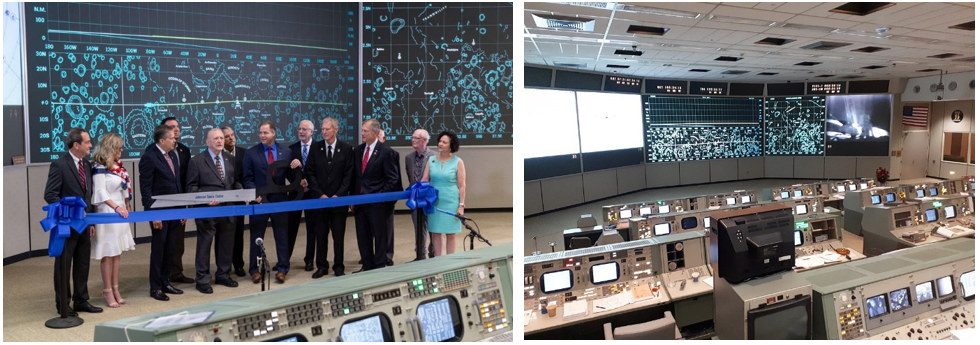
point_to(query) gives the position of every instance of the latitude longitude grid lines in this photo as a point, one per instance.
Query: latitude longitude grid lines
(693, 110)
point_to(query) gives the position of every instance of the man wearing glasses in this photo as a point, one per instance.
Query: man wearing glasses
(300, 155)
(414, 166)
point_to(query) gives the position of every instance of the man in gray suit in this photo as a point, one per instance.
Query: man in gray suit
(210, 171)
(414, 166)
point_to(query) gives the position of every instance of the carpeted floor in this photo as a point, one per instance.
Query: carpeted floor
(28, 292)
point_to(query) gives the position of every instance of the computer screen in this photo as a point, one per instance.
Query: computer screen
(688, 223)
(646, 211)
(661, 229)
(924, 292)
(933, 191)
(840, 189)
(875, 199)
(784, 195)
(604, 273)
(730, 201)
(625, 214)
(441, 319)
(899, 299)
(920, 193)
(852, 187)
(707, 222)
(797, 193)
(556, 281)
(797, 238)
(663, 209)
(945, 285)
(864, 186)
(746, 199)
(931, 215)
(371, 329)
(890, 197)
(876, 306)
(967, 282)
(781, 323)
(801, 209)
(950, 211)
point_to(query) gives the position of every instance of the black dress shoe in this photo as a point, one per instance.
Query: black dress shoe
(70, 312)
(229, 283)
(338, 273)
(206, 288)
(240, 272)
(87, 307)
(418, 259)
(159, 295)
(309, 267)
(172, 290)
(181, 279)
(320, 273)
(390, 263)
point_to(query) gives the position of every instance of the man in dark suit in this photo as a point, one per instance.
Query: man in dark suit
(257, 160)
(415, 163)
(238, 152)
(71, 175)
(377, 173)
(300, 158)
(183, 157)
(211, 171)
(159, 176)
(329, 169)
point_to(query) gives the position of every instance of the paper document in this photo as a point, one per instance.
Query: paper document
(575, 309)
(527, 316)
(611, 302)
(180, 319)
(709, 280)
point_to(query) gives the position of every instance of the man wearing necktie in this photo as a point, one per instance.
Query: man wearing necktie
(257, 161)
(160, 176)
(377, 172)
(183, 157)
(301, 152)
(330, 167)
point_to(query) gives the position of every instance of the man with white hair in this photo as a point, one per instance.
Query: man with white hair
(301, 152)
(414, 166)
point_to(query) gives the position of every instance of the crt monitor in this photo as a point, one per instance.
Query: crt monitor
(920, 193)
(840, 189)
(924, 292)
(950, 211)
(890, 197)
(707, 222)
(945, 286)
(931, 215)
(875, 199)
(933, 191)
(801, 209)
(441, 319)
(797, 238)
(876, 306)
(746, 199)
(730, 201)
(797, 193)
(864, 185)
(663, 209)
(967, 284)
(604, 273)
(787, 320)
(852, 187)
(784, 195)
(644, 211)
(899, 299)
(661, 229)
(755, 244)
(626, 214)
(556, 281)
(368, 329)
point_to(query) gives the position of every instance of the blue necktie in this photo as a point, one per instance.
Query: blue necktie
(304, 154)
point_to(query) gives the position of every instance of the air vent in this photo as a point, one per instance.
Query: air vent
(647, 30)
(570, 64)
(825, 45)
(824, 76)
(862, 8)
(808, 63)
(618, 66)
(966, 59)
(734, 72)
(602, 5)
(773, 41)
(728, 58)
(965, 26)
(852, 76)
(816, 28)
(735, 20)
(700, 70)
(660, 11)
(768, 73)
(943, 56)
(563, 22)
(929, 70)
(873, 67)
(629, 52)
(869, 49)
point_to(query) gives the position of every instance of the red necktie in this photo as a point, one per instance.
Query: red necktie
(170, 163)
(81, 174)
(367, 153)
(269, 156)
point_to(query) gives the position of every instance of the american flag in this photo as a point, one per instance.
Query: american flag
(915, 116)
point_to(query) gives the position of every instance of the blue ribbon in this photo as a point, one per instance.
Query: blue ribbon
(67, 214)
(70, 211)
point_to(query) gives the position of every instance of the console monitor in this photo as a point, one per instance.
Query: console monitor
(797, 193)
(663, 209)
(875, 199)
(784, 195)
(746, 199)
(556, 281)
(852, 187)
(801, 209)
(864, 186)
(707, 222)
(840, 189)
(625, 214)
(797, 238)
(644, 211)
(924, 292)
(931, 215)
(289, 338)
(604, 273)
(373, 328)
(890, 197)
(789, 320)
(933, 191)
(945, 286)
(754, 244)
(441, 319)
(899, 299)
(967, 284)
(920, 193)
(950, 211)
(689, 223)
(730, 201)
(661, 229)
(876, 306)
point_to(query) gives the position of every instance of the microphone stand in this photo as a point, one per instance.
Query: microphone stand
(264, 269)
(473, 235)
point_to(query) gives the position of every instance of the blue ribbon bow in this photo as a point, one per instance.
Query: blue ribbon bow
(67, 214)
(422, 195)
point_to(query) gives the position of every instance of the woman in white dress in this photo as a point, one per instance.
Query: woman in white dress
(111, 192)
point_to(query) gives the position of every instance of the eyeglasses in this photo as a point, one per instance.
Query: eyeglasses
(419, 138)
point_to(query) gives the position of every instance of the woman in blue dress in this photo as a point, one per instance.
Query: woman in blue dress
(445, 172)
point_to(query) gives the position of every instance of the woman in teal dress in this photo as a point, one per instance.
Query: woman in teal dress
(445, 172)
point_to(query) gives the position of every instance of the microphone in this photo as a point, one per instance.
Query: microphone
(259, 242)
(457, 215)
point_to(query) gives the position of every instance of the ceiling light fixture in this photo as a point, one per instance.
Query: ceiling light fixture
(658, 11)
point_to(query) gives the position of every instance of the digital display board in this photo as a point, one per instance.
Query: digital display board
(623, 84)
(795, 126)
(665, 87)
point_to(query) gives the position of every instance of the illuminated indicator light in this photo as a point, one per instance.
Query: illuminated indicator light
(346, 311)
(937, 204)
(435, 290)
